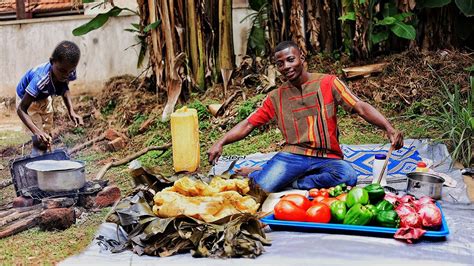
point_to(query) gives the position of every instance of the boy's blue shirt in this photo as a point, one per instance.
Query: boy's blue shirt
(38, 83)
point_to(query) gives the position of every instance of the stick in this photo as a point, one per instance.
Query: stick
(385, 164)
(129, 158)
(6, 213)
(19, 227)
(16, 216)
(5, 183)
(87, 143)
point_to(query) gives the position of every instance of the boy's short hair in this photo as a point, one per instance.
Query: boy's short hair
(66, 51)
(285, 44)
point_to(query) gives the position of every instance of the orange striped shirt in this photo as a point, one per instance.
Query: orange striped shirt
(307, 118)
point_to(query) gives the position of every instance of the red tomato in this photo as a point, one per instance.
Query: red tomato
(287, 210)
(324, 193)
(299, 200)
(318, 213)
(318, 199)
(313, 193)
(342, 197)
(329, 201)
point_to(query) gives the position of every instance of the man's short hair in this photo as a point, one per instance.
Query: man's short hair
(66, 51)
(285, 44)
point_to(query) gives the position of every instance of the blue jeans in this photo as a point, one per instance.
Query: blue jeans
(303, 172)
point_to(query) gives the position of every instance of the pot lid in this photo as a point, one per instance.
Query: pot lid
(54, 165)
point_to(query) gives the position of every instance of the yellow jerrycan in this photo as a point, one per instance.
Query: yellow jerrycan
(185, 139)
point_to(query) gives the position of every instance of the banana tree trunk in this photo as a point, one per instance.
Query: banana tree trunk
(196, 45)
(173, 82)
(297, 27)
(225, 42)
(155, 56)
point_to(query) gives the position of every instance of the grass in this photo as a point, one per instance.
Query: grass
(34, 247)
(10, 138)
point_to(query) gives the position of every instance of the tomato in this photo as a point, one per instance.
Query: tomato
(318, 199)
(342, 197)
(328, 201)
(324, 193)
(287, 210)
(313, 193)
(299, 200)
(318, 213)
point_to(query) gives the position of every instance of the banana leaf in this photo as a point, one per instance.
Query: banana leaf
(238, 235)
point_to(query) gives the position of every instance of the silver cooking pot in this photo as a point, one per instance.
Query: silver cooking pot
(59, 175)
(424, 184)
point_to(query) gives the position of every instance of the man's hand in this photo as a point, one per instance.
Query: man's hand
(214, 153)
(77, 119)
(396, 138)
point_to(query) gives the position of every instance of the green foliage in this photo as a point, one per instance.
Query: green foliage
(98, 21)
(466, 7)
(455, 119)
(247, 107)
(135, 126)
(109, 107)
(202, 111)
(259, 19)
(78, 130)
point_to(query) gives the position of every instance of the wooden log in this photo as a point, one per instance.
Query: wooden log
(5, 183)
(6, 213)
(19, 226)
(129, 158)
(85, 144)
(17, 216)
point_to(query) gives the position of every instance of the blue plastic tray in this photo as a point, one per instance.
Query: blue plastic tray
(347, 229)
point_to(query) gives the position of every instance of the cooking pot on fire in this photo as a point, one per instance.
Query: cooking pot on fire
(424, 184)
(59, 175)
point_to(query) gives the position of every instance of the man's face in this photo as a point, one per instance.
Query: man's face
(289, 63)
(62, 70)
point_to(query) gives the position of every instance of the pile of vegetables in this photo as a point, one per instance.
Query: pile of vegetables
(362, 206)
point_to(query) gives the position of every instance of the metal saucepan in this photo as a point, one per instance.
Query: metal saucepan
(59, 175)
(424, 184)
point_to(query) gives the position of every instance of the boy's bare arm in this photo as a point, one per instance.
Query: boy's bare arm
(22, 112)
(68, 102)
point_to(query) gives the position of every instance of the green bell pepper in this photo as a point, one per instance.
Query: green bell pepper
(358, 215)
(384, 205)
(338, 211)
(357, 195)
(387, 219)
(372, 209)
(376, 193)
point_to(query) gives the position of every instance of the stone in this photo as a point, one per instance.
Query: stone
(20, 202)
(57, 219)
(116, 144)
(107, 197)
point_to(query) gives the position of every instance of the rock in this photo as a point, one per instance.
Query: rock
(53, 203)
(21, 201)
(107, 197)
(111, 134)
(145, 125)
(116, 144)
(57, 219)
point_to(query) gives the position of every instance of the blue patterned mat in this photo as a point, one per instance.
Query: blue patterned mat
(361, 157)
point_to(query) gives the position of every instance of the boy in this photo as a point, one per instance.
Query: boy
(38, 85)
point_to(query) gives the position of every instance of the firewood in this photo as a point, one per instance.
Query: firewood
(6, 213)
(16, 216)
(87, 143)
(5, 183)
(19, 226)
(130, 158)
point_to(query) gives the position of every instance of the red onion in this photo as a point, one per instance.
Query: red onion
(407, 199)
(412, 220)
(409, 234)
(392, 198)
(430, 215)
(425, 199)
(404, 209)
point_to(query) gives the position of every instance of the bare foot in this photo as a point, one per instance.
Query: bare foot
(245, 171)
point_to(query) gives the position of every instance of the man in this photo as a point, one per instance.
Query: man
(39, 84)
(305, 108)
